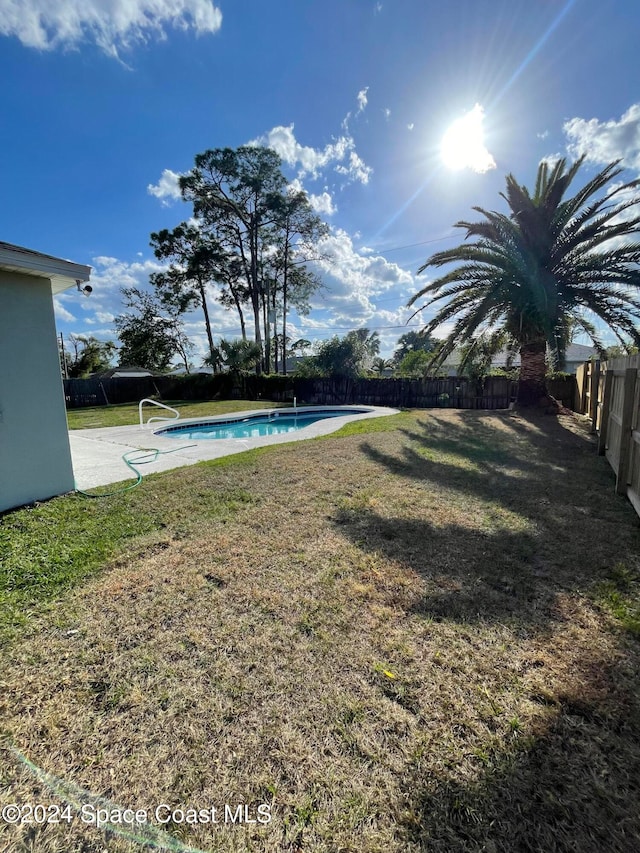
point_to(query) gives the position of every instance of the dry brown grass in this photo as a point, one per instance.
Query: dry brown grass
(397, 643)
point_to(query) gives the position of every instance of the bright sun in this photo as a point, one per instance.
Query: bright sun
(463, 145)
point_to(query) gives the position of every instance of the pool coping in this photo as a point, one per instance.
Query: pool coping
(97, 453)
(176, 424)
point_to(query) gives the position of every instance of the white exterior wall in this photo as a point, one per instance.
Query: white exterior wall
(35, 459)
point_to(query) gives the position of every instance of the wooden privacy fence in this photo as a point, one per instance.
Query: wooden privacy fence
(609, 393)
(496, 392)
(619, 438)
(126, 389)
(589, 391)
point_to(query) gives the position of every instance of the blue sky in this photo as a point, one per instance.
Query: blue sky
(106, 102)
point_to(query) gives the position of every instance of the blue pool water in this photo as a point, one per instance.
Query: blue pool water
(254, 426)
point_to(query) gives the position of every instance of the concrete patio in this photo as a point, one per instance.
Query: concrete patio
(97, 453)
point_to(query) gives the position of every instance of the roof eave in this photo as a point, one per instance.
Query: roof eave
(61, 273)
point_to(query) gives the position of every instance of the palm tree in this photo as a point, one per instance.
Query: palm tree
(237, 357)
(548, 264)
(366, 346)
(380, 365)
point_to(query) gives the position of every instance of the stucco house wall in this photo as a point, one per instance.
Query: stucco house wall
(35, 458)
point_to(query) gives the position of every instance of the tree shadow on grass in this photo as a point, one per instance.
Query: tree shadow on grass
(541, 507)
(572, 781)
(467, 576)
(536, 456)
(573, 786)
(471, 574)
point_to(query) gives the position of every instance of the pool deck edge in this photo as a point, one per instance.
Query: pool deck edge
(97, 453)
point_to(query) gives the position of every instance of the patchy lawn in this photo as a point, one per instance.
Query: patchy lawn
(416, 635)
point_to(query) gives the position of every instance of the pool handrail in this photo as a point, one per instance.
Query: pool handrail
(176, 414)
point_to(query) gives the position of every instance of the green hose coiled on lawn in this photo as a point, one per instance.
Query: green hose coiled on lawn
(131, 463)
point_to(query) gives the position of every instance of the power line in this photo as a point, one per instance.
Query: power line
(412, 245)
(333, 328)
(366, 326)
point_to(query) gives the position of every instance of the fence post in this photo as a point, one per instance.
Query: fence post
(583, 390)
(625, 430)
(604, 416)
(594, 393)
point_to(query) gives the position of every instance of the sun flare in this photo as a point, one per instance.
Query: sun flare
(463, 145)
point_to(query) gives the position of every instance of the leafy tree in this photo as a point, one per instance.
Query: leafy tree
(477, 355)
(308, 368)
(89, 355)
(618, 351)
(233, 289)
(153, 334)
(414, 364)
(550, 260)
(295, 237)
(253, 238)
(300, 345)
(413, 342)
(237, 195)
(339, 357)
(286, 288)
(196, 260)
(348, 357)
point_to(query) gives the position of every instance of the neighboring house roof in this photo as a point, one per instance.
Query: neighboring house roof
(122, 372)
(580, 352)
(62, 273)
(575, 353)
(293, 361)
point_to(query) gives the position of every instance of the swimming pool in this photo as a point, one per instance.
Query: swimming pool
(273, 422)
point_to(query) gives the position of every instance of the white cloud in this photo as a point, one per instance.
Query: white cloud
(323, 203)
(387, 113)
(356, 169)
(312, 160)
(543, 135)
(551, 159)
(607, 140)
(61, 312)
(110, 274)
(167, 189)
(355, 278)
(295, 186)
(362, 99)
(113, 25)
(362, 103)
(410, 126)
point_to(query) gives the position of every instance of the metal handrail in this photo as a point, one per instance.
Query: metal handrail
(157, 418)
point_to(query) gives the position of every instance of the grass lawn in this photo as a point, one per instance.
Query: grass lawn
(418, 634)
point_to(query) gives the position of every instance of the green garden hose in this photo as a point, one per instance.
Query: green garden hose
(131, 463)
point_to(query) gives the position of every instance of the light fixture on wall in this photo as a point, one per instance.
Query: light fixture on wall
(87, 289)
